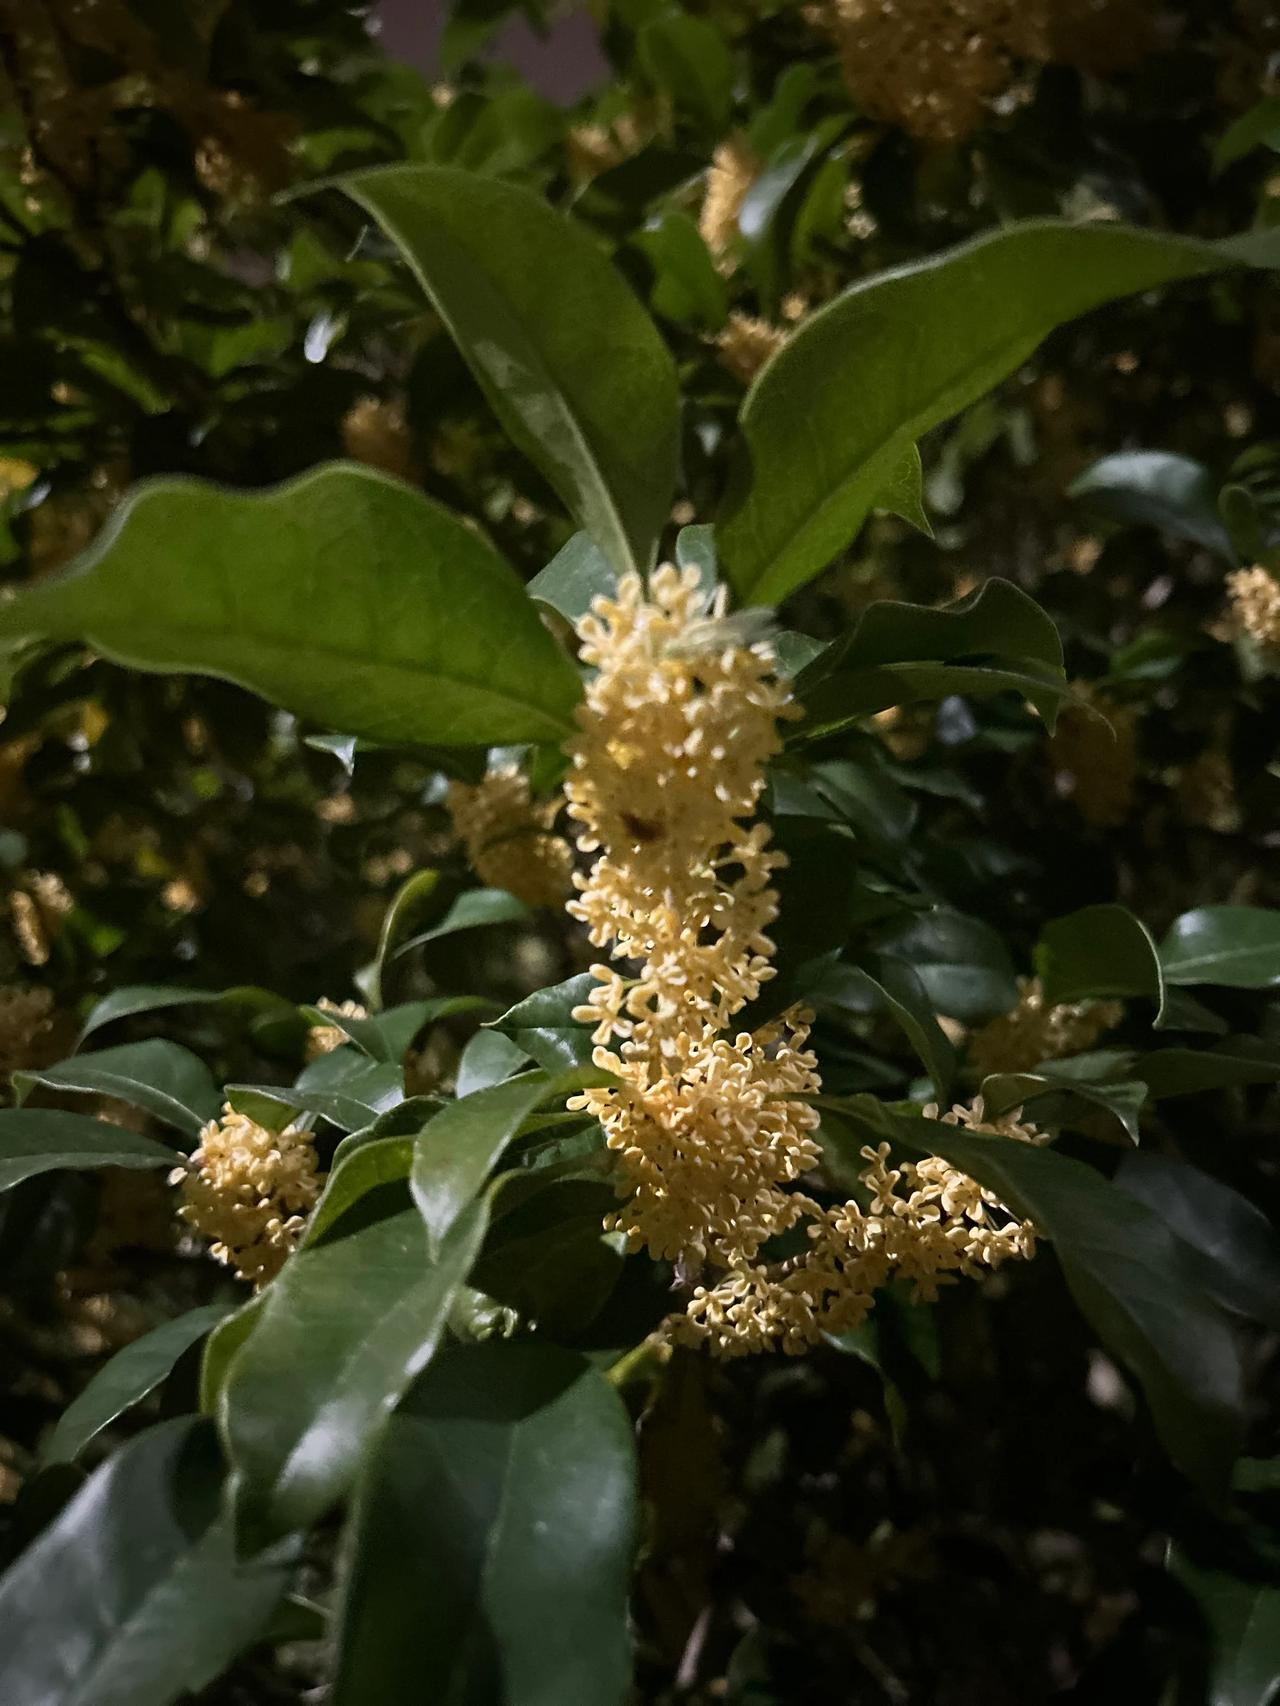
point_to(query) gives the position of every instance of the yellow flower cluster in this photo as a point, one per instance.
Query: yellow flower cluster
(249, 1190)
(712, 1126)
(1255, 606)
(37, 910)
(747, 342)
(1035, 1031)
(508, 836)
(323, 1039)
(25, 1019)
(931, 66)
(730, 176)
(376, 432)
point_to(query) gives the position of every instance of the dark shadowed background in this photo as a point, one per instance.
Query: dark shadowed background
(563, 64)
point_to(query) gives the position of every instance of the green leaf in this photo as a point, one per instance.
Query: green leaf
(1137, 1283)
(163, 1078)
(1173, 493)
(578, 573)
(127, 1379)
(411, 901)
(382, 614)
(543, 1026)
(342, 1332)
(493, 1538)
(134, 1595)
(487, 1059)
(686, 286)
(569, 360)
(842, 700)
(470, 911)
(1099, 952)
(143, 998)
(827, 422)
(459, 1147)
(1237, 947)
(377, 1161)
(901, 992)
(1244, 1623)
(42, 1140)
(1091, 1079)
(1188, 1071)
(1257, 128)
(688, 60)
(1238, 1243)
(963, 964)
(696, 548)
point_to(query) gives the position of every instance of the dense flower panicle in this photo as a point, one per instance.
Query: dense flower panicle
(730, 176)
(249, 1191)
(713, 1126)
(1095, 758)
(1036, 1030)
(323, 1039)
(509, 836)
(1255, 606)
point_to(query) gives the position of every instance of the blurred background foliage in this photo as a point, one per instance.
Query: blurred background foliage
(940, 1513)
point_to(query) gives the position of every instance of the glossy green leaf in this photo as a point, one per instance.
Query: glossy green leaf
(144, 998)
(411, 901)
(43, 1140)
(578, 573)
(493, 1538)
(829, 418)
(471, 911)
(569, 360)
(134, 1596)
(488, 1058)
(382, 614)
(898, 990)
(963, 964)
(1235, 946)
(341, 1334)
(1188, 1071)
(126, 1379)
(1135, 1280)
(1160, 489)
(162, 1078)
(543, 1026)
(1244, 1625)
(1106, 1080)
(1099, 952)
(459, 1148)
(378, 1161)
(1238, 1243)
(386, 1036)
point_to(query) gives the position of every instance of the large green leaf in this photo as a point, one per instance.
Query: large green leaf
(1098, 953)
(1236, 946)
(456, 1151)
(126, 1379)
(341, 1334)
(543, 1025)
(829, 418)
(571, 363)
(43, 1140)
(1139, 1284)
(893, 985)
(343, 596)
(134, 1596)
(162, 1078)
(493, 1538)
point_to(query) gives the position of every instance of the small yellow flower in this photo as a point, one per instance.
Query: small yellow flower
(323, 1039)
(1035, 1031)
(508, 836)
(1255, 607)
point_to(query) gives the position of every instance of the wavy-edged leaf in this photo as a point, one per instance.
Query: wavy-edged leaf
(829, 418)
(570, 362)
(381, 614)
(493, 1538)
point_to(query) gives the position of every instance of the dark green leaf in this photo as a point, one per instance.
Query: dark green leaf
(897, 989)
(341, 1333)
(1099, 952)
(42, 1140)
(1105, 1080)
(469, 912)
(493, 1538)
(458, 1149)
(570, 362)
(411, 901)
(386, 1036)
(688, 59)
(134, 1596)
(1235, 946)
(488, 1058)
(963, 964)
(163, 1078)
(543, 1027)
(827, 422)
(382, 613)
(686, 286)
(1187, 1071)
(126, 1379)
(143, 998)
(1257, 128)
(578, 573)
(1159, 488)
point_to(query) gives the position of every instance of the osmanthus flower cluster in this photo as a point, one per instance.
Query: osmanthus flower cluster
(712, 1124)
(249, 1190)
(509, 837)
